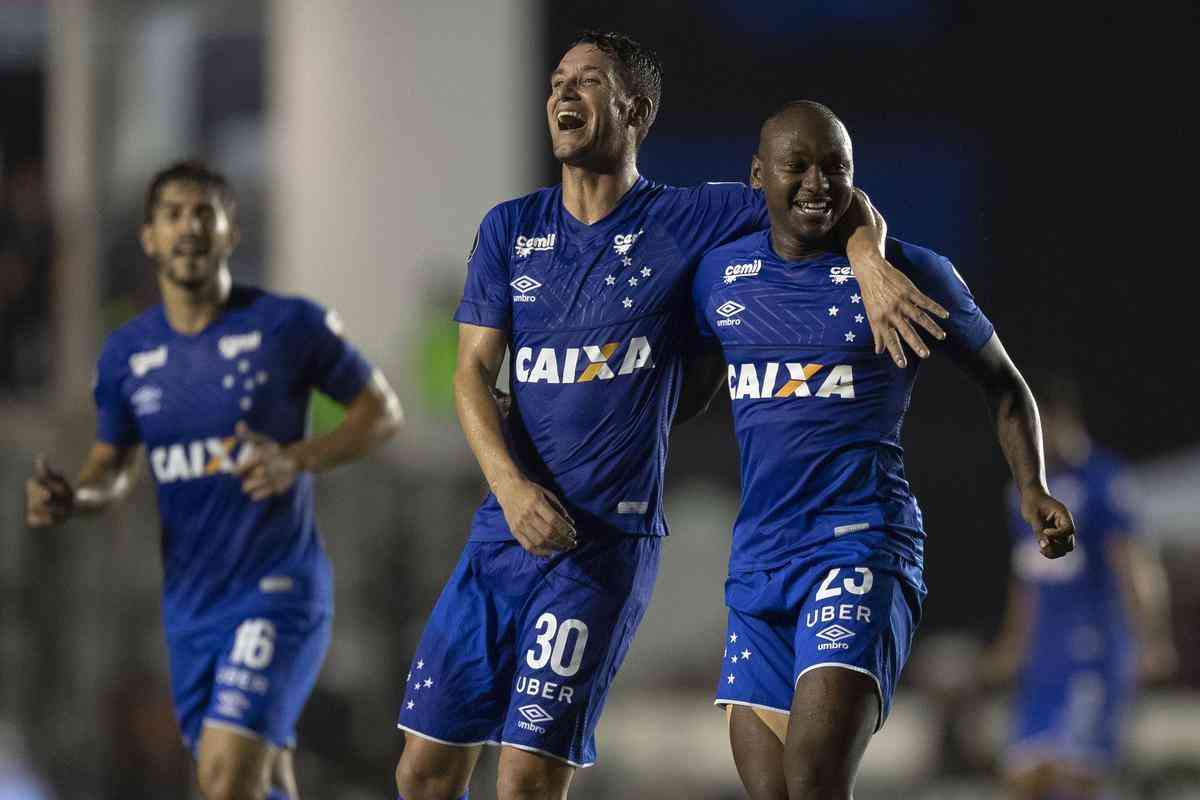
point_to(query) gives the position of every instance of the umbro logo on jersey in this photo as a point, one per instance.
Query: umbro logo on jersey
(581, 364)
(529, 244)
(727, 310)
(622, 242)
(141, 363)
(840, 275)
(735, 271)
(146, 400)
(524, 285)
(788, 380)
(235, 344)
(833, 636)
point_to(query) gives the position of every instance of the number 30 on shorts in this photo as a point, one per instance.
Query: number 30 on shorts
(552, 644)
(860, 584)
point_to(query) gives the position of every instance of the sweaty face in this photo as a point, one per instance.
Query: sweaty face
(805, 168)
(586, 107)
(190, 234)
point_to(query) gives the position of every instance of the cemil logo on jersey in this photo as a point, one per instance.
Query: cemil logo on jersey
(735, 271)
(727, 310)
(840, 275)
(524, 285)
(529, 244)
(622, 242)
(581, 364)
(747, 383)
(201, 458)
(235, 344)
(141, 363)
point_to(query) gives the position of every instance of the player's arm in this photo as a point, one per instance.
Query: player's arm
(535, 516)
(372, 417)
(106, 478)
(1143, 585)
(893, 303)
(703, 376)
(1003, 658)
(1015, 417)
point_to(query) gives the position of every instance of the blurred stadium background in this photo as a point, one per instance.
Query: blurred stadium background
(1036, 147)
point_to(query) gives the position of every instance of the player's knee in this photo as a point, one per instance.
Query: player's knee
(417, 781)
(813, 777)
(529, 781)
(228, 779)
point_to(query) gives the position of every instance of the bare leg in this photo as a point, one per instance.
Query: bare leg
(431, 770)
(532, 776)
(233, 765)
(834, 714)
(756, 738)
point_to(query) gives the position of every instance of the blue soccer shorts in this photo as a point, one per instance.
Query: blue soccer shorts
(1072, 713)
(252, 674)
(521, 650)
(843, 604)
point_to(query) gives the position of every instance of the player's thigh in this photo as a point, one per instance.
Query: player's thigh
(835, 711)
(433, 769)
(756, 737)
(523, 775)
(233, 764)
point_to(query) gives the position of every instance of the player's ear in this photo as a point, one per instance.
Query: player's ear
(756, 169)
(640, 108)
(146, 236)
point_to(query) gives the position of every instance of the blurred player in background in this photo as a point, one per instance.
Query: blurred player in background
(825, 575)
(585, 284)
(1079, 632)
(215, 382)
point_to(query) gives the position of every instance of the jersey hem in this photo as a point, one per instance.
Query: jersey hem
(415, 732)
(556, 756)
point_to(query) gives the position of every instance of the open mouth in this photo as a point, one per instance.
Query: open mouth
(820, 208)
(569, 121)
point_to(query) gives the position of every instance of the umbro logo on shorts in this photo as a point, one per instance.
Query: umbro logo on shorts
(535, 713)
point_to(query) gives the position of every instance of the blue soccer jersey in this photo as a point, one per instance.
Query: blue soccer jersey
(1077, 675)
(181, 396)
(597, 318)
(816, 412)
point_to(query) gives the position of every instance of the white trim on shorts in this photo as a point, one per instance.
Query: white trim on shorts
(220, 723)
(414, 732)
(722, 702)
(529, 749)
(863, 670)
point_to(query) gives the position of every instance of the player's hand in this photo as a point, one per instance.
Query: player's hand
(894, 305)
(267, 469)
(537, 518)
(1051, 522)
(49, 498)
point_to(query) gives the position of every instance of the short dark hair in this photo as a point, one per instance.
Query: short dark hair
(190, 171)
(640, 67)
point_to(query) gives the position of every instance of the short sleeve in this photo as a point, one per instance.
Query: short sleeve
(486, 297)
(967, 329)
(717, 213)
(332, 364)
(115, 424)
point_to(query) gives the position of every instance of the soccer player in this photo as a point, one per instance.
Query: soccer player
(1079, 632)
(586, 285)
(215, 383)
(825, 586)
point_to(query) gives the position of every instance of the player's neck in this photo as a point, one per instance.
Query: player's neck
(190, 311)
(590, 196)
(793, 248)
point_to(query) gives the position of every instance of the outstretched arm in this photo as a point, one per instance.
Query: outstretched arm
(892, 302)
(372, 416)
(107, 475)
(1018, 428)
(534, 514)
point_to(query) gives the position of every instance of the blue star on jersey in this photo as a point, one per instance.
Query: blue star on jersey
(816, 412)
(182, 395)
(598, 321)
